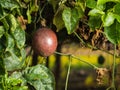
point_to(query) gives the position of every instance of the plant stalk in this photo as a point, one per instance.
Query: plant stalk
(112, 87)
(68, 73)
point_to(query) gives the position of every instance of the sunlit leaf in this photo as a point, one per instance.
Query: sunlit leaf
(16, 81)
(96, 12)
(105, 1)
(12, 22)
(113, 33)
(108, 19)
(40, 77)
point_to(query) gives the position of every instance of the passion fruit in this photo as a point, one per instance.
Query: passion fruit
(44, 42)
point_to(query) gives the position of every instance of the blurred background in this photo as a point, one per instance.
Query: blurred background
(82, 76)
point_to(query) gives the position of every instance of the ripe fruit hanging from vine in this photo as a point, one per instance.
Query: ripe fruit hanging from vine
(44, 42)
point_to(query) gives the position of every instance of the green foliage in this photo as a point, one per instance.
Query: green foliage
(108, 19)
(106, 16)
(12, 50)
(71, 18)
(100, 14)
(58, 20)
(32, 7)
(8, 4)
(94, 22)
(113, 32)
(105, 1)
(40, 77)
(91, 3)
(2, 31)
(68, 16)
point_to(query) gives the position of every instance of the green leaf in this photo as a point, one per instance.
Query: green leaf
(96, 12)
(71, 18)
(94, 22)
(20, 88)
(2, 82)
(117, 17)
(116, 9)
(105, 1)
(40, 77)
(57, 20)
(81, 4)
(16, 75)
(28, 16)
(2, 31)
(19, 36)
(91, 3)
(12, 22)
(1, 46)
(101, 7)
(5, 23)
(16, 31)
(12, 62)
(1, 12)
(2, 68)
(108, 19)
(9, 42)
(113, 33)
(9, 4)
(2, 73)
(16, 81)
(54, 3)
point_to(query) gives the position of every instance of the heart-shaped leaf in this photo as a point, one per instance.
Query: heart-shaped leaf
(108, 19)
(71, 18)
(113, 32)
(40, 77)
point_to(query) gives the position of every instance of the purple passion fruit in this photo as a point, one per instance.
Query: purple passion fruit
(44, 42)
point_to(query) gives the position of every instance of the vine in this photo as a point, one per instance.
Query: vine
(68, 73)
(19, 19)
